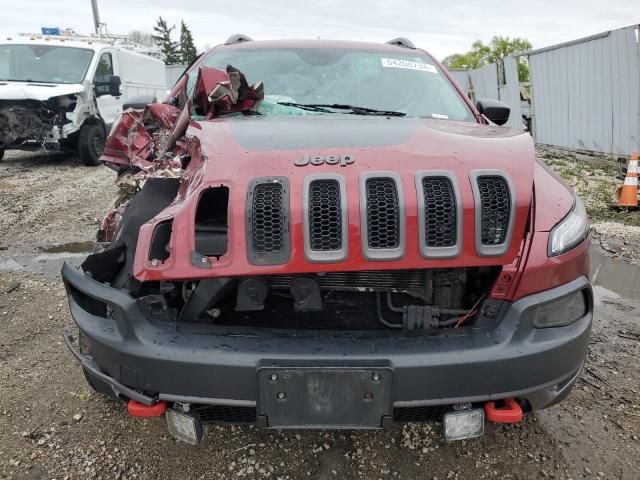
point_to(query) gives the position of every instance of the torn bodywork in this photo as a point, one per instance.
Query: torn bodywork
(152, 142)
(42, 122)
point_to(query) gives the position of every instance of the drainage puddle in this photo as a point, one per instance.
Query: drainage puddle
(51, 258)
(613, 277)
(73, 247)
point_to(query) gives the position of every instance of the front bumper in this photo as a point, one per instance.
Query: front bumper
(149, 360)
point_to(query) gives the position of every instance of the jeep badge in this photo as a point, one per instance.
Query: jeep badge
(343, 160)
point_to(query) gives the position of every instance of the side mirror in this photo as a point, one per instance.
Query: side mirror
(114, 85)
(496, 111)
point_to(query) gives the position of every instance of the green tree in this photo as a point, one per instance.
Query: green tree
(142, 38)
(501, 47)
(498, 48)
(188, 52)
(162, 38)
(463, 60)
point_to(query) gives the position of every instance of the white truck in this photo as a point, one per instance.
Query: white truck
(59, 93)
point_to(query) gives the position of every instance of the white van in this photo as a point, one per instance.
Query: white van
(58, 93)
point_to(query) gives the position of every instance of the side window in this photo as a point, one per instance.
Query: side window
(103, 73)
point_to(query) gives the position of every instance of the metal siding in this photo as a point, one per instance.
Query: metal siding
(626, 91)
(485, 81)
(461, 77)
(586, 95)
(510, 92)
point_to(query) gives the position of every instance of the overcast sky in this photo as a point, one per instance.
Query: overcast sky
(442, 27)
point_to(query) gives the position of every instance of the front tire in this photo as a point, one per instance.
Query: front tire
(91, 144)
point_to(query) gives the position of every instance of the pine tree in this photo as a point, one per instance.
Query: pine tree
(162, 38)
(188, 52)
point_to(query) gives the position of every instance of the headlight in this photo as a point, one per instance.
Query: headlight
(571, 230)
(562, 311)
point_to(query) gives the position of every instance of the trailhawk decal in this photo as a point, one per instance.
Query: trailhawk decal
(408, 64)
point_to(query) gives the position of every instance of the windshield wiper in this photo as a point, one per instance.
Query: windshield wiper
(305, 106)
(352, 109)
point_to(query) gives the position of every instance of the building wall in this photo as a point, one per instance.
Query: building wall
(586, 93)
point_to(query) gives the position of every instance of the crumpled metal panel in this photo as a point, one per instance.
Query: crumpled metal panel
(218, 92)
(154, 142)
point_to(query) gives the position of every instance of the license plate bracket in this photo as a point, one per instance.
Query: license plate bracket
(311, 397)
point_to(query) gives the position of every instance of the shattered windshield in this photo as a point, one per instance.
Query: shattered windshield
(382, 80)
(44, 63)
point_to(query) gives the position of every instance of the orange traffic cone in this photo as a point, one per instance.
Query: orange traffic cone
(627, 195)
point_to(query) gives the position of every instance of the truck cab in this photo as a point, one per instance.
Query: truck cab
(59, 92)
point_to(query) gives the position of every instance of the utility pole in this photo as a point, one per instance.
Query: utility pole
(96, 16)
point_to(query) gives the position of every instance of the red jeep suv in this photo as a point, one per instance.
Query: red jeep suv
(345, 243)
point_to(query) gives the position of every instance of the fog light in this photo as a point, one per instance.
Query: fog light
(463, 424)
(561, 312)
(185, 427)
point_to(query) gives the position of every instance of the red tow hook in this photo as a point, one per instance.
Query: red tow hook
(137, 409)
(509, 413)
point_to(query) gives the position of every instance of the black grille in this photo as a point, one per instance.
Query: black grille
(419, 414)
(380, 280)
(495, 209)
(267, 217)
(383, 213)
(232, 414)
(226, 414)
(351, 311)
(325, 215)
(439, 211)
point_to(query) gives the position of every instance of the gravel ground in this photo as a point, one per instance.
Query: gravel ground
(53, 427)
(595, 181)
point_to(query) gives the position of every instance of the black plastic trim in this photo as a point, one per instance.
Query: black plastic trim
(505, 359)
(501, 248)
(270, 258)
(388, 254)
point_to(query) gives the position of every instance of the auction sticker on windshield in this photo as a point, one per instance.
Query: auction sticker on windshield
(408, 64)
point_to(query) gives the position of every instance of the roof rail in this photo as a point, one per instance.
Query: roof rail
(401, 42)
(238, 38)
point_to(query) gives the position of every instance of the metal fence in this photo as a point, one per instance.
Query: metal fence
(497, 82)
(586, 93)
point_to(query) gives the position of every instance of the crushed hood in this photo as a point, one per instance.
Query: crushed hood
(36, 91)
